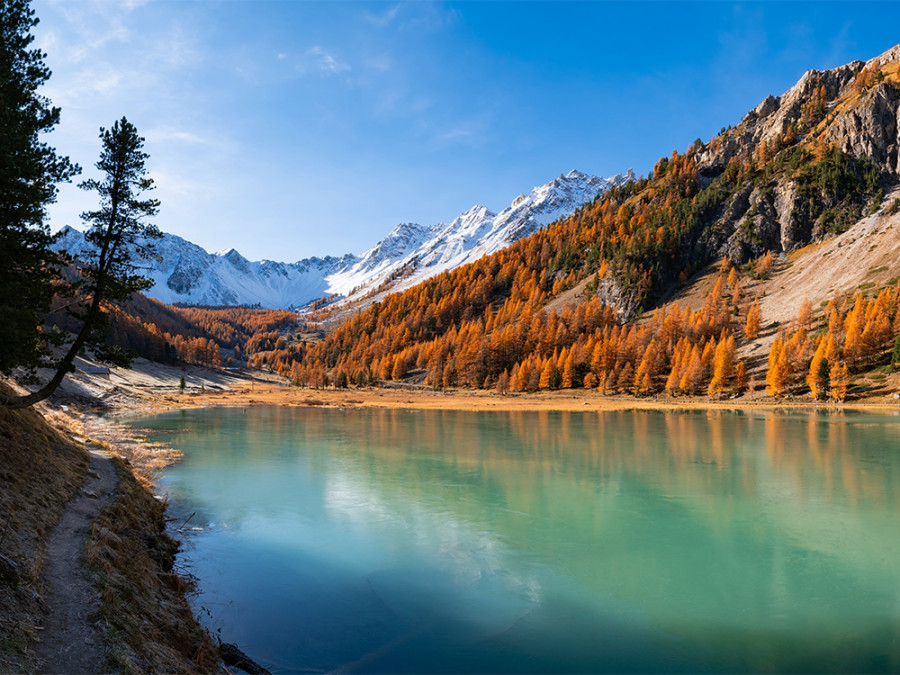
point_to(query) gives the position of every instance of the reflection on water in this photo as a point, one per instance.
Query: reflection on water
(623, 541)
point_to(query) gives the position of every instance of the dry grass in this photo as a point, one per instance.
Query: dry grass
(148, 623)
(145, 456)
(484, 400)
(41, 469)
(145, 616)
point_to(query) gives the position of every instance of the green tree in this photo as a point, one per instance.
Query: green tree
(119, 236)
(895, 353)
(29, 172)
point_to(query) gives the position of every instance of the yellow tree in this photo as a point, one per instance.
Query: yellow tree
(680, 357)
(741, 381)
(723, 366)
(503, 383)
(840, 381)
(764, 265)
(817, 378)
(775, 376)
(751, 326)
(733, 278)
(447, 377)
(567, 375)
(805, 315)
(398, 372)
(693, 372)
(547, 373)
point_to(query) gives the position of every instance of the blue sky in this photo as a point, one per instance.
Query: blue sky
(291, 129)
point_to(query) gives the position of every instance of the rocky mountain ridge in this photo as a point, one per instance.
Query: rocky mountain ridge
(186, 273)
(797, 169)
(854, 107)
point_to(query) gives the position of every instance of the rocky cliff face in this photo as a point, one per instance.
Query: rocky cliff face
(855, 108)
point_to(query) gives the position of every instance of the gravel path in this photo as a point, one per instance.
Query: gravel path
(70, 642)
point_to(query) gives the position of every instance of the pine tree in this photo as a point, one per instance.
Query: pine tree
(398, 371)
(679, 356)
(895, 352)
(817, 378)
(643, 384)
(547, 371)
(764, 265)
(693, 372)
(733, 279)
(118, 235)
(447, 377)
(30, 169)
(741, 381)
(775, 376)
(804, 316)
(568, 372)
(503, 383)
(625, 381)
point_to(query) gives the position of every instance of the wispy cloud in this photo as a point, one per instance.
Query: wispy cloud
(382, 19)
(416, 15)
(166, 134)
(381, 64)
(319, 61)
(472, 133)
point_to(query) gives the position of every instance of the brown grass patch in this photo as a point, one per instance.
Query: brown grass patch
(146, 619)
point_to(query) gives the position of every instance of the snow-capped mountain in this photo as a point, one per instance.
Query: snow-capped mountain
(186, 273)
(411, 253)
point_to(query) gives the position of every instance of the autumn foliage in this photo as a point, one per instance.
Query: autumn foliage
(855, 335)
(194, 335)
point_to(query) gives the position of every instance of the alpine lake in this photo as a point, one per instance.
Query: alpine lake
(396, 541)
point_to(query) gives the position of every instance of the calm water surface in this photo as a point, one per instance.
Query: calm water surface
(397, 541)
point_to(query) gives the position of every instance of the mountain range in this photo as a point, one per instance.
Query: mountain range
(186, 273)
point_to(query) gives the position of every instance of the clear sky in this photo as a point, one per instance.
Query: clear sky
(291, 129)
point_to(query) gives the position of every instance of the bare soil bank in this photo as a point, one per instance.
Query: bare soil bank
(269, 393)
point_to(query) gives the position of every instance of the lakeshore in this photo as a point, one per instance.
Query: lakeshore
(244, 393)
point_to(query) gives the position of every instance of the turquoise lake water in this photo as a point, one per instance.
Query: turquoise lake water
(382, 541)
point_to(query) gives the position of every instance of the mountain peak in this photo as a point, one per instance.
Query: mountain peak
(845, 106)
(891, 55)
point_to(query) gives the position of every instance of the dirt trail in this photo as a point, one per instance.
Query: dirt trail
(70, 642)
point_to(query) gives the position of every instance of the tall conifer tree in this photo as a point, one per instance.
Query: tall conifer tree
(29, 172)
